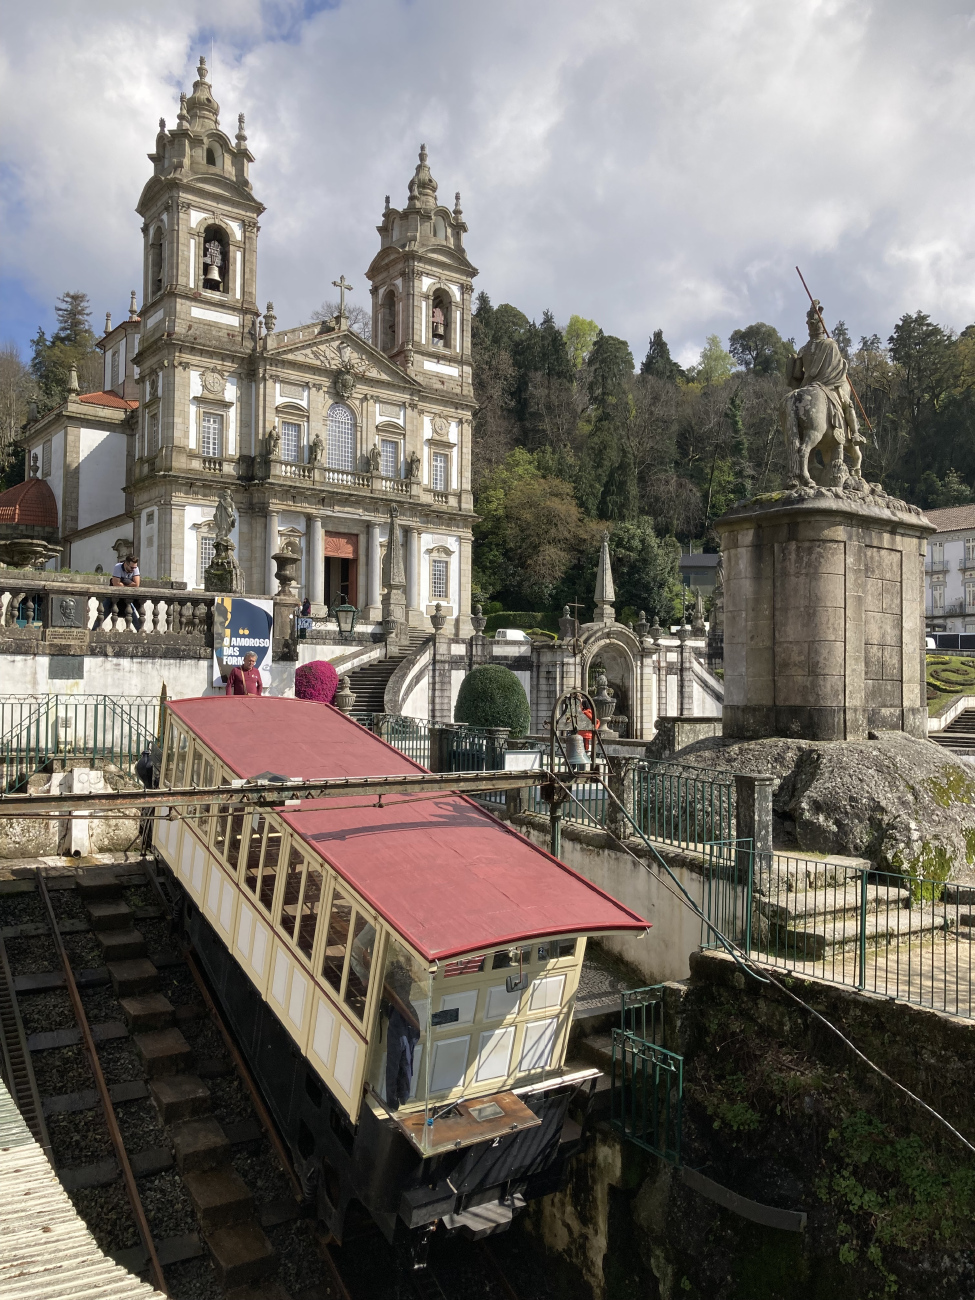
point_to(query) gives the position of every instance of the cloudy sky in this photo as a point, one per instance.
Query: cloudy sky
(645, 163)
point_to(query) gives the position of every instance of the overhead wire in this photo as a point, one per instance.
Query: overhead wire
(744, 961)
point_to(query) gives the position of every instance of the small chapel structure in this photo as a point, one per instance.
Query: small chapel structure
(314, 430)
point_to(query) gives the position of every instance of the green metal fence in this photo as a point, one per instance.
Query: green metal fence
(587, 807)
(41, 730)
(459, 749)
(647, 1079)
(686, 806)
(901, 936)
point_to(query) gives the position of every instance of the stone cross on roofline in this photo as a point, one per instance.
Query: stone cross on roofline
(343, 288)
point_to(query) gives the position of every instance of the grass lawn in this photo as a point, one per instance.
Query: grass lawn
(948, 676)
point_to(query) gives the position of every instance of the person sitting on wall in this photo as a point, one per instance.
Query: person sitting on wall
(246, 680)
(126, 574)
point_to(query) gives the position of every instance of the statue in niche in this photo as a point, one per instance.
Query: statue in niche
(224, 517)
(375, 459)
(413, 467)
(819, 413)
(272, 442)
(316, 450)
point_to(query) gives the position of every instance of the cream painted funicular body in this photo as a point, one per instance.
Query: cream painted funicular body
(423, 1079)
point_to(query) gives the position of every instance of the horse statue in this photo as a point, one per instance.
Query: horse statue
(818, 414)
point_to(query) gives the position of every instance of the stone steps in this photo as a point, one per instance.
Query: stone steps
(882, 928)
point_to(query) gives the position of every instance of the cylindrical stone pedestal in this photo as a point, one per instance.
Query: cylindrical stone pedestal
(824, 614)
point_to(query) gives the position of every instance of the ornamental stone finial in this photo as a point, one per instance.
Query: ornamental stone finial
(133, 306)
(241, 133)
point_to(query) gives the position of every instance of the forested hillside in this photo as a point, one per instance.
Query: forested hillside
(572, 437)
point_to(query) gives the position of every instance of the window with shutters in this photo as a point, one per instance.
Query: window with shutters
(152, 434)
(937, 600)
(969, 552)
(46, 459)
(341, 437)
(439, 579)
(211, 433)
(115, 368)
(291, 440)
(970, 597)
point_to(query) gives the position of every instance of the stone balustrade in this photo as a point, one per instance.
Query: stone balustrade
(43, 610)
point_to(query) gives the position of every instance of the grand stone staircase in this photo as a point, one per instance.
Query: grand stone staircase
(959, 735)
(369, 682)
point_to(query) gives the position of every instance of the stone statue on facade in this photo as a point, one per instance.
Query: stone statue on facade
(413, 467)
(316, 450)
(819, 412)
(272, 442)
(224, 517)
(375, 459)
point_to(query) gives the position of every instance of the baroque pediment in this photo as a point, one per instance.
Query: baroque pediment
(342, 351)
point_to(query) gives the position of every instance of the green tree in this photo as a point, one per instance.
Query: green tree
(72, 344)
(658, 361)
(609, 375)
(492, 696)
(714, 366)
(580, 335)
(841, 337)
(759, 348)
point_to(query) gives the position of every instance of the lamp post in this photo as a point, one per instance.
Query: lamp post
(345, 616)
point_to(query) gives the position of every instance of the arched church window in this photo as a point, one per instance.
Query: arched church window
(211, 157)
(387, 322)
(156, 262)
(216, 259)
(341, 437)
(439, 227)
(440, 318)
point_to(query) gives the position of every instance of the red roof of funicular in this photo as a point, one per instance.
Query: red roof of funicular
(440, 870)
(30, 502)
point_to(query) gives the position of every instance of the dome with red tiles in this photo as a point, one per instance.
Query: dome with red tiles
(29, 503)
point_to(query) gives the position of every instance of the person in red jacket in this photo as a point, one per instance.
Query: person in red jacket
(246, 680)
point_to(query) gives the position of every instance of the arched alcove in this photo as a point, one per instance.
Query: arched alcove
(216, 259)
(440, 315)
(387, 322)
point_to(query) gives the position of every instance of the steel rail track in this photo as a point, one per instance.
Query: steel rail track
(111, 1120)
(18, 1069)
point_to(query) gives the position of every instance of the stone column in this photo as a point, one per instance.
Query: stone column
(824, 614)
(315, 584)
(374, 575)
(414, 614)
(271, 545)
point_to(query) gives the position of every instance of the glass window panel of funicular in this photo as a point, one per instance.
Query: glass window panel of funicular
(509, 957)
(239, 832)
(167, 776)
(204, 815)
(269, 867)
(182, 745)
(221, 825)
(252, 865)
(337, 939)
(292, 891)
(311, 901)
(360, 965)
(404, 1005)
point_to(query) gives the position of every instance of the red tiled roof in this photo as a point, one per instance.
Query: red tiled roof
(952, 517)
(30, 502)
(443, 872)
(108, 399)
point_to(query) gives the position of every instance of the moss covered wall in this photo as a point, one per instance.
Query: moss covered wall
(779, 1111)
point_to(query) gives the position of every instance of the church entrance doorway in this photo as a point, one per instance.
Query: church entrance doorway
(341, 569)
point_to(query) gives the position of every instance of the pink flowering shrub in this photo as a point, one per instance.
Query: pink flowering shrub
(316, 681)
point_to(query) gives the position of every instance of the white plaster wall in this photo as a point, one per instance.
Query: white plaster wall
(417, 703)
(120, 677)
(149, 545)
(96, 548)
(101, 476)
(56, 479)
(196, 514)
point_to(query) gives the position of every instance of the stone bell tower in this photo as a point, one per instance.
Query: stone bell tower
(200, 226)
(421, 287)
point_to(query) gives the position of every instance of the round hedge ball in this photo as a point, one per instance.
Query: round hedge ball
(316, 681)
(492, 696)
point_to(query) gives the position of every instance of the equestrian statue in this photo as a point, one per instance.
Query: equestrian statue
(818, 414)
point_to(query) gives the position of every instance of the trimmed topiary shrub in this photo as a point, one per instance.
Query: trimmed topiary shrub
(519, 618)
(316, 681)
(492, 696)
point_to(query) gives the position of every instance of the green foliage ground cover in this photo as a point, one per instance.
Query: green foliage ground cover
(948, 676)
(492, 696)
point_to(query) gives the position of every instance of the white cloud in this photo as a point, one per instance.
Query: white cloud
(646, 164)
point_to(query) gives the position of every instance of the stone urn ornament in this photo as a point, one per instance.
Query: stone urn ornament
(286, 570)
(438, 618)
(478, 620)
(344, 696)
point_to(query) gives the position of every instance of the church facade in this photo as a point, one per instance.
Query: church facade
(315, 430)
